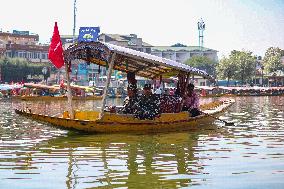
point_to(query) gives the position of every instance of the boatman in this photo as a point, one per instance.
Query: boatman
(149, 104)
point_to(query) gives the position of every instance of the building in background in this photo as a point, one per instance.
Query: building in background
(22, 44)
(130, 41)
(181, 53)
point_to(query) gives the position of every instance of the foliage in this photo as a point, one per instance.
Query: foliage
(272, 59)
(240, 65)
(15, 69)
(202, 63)
(226, 69)
(178, 45)
(246, 64)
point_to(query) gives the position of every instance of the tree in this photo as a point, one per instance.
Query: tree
(202, 63)
(178, 45)
(14, 69)
(272, 59)
(240, 65)
(246, 64)
(226, 69)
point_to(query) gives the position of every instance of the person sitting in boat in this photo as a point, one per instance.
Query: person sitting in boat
(131, 101)
(149, 104)
(191, 101)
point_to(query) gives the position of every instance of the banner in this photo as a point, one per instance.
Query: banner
(88, 34)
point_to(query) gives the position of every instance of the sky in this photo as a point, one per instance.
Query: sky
(252, 25)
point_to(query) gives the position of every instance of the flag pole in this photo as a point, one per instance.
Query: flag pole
(69, 92)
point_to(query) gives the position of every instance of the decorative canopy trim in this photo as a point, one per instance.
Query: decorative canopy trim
(128, 60)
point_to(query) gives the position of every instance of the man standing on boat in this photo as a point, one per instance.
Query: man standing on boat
(149, 104)
(191, 101)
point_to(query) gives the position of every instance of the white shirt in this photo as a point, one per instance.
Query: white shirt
(158, 91)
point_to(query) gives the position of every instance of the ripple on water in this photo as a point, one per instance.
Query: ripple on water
(32, 152)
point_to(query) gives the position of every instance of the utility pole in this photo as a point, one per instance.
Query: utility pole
(0, 74)
(74, 21)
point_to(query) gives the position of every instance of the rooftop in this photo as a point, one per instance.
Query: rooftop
(187, 48)
(19, 35)
(125, 38)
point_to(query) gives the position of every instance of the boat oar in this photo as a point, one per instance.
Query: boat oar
(226, 123)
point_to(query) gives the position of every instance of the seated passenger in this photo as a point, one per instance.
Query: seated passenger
(131, 101)
(170, 104)
(191, 101)
(149, 104)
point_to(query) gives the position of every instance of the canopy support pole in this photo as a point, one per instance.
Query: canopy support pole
(107, 84)
(69, 92)
(186, 84)
(187, 81)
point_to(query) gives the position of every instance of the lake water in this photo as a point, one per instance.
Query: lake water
(247, 155)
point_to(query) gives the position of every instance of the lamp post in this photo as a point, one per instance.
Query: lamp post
(0, 74)
(76, 75)
(44, 71)
(262, 82)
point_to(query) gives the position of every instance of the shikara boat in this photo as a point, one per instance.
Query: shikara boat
(32, 92)
(142, 64)
(90, 121)
(51, 98)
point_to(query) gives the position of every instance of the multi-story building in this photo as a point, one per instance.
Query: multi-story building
(130, 41)
(22, 44)
(181, 53)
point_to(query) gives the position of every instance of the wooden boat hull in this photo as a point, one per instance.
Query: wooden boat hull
(114, 123)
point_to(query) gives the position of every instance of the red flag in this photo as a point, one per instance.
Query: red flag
(55, 52)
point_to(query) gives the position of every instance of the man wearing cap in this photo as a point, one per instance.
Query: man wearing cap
(131, 101)
(149, 104)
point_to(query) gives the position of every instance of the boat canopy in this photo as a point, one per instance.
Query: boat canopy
(128, 60)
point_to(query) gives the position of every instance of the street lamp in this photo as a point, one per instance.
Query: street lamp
(0, 74)
(262, 82)
(44, 71)
(76, 75)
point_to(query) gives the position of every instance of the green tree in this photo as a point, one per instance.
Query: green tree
(226, 69)
(240, 65)
(272, 59)
(202, 63)
(14, 69)
(246, 64)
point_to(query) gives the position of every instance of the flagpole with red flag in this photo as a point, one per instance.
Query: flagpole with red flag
(55, 55)
(55, 52)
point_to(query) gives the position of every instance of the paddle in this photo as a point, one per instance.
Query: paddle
(226, 123)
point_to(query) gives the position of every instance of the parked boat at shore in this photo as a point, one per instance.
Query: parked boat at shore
(40, 92)
(221, 91)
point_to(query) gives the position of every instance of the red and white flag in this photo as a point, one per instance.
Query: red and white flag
(55, 52)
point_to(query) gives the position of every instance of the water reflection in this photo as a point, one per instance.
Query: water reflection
(247, 155)
(135, 161)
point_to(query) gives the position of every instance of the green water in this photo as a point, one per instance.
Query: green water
(247, 155)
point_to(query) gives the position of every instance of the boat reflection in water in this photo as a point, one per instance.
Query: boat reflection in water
(247, 155)
(133, 161)
(32, 152)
